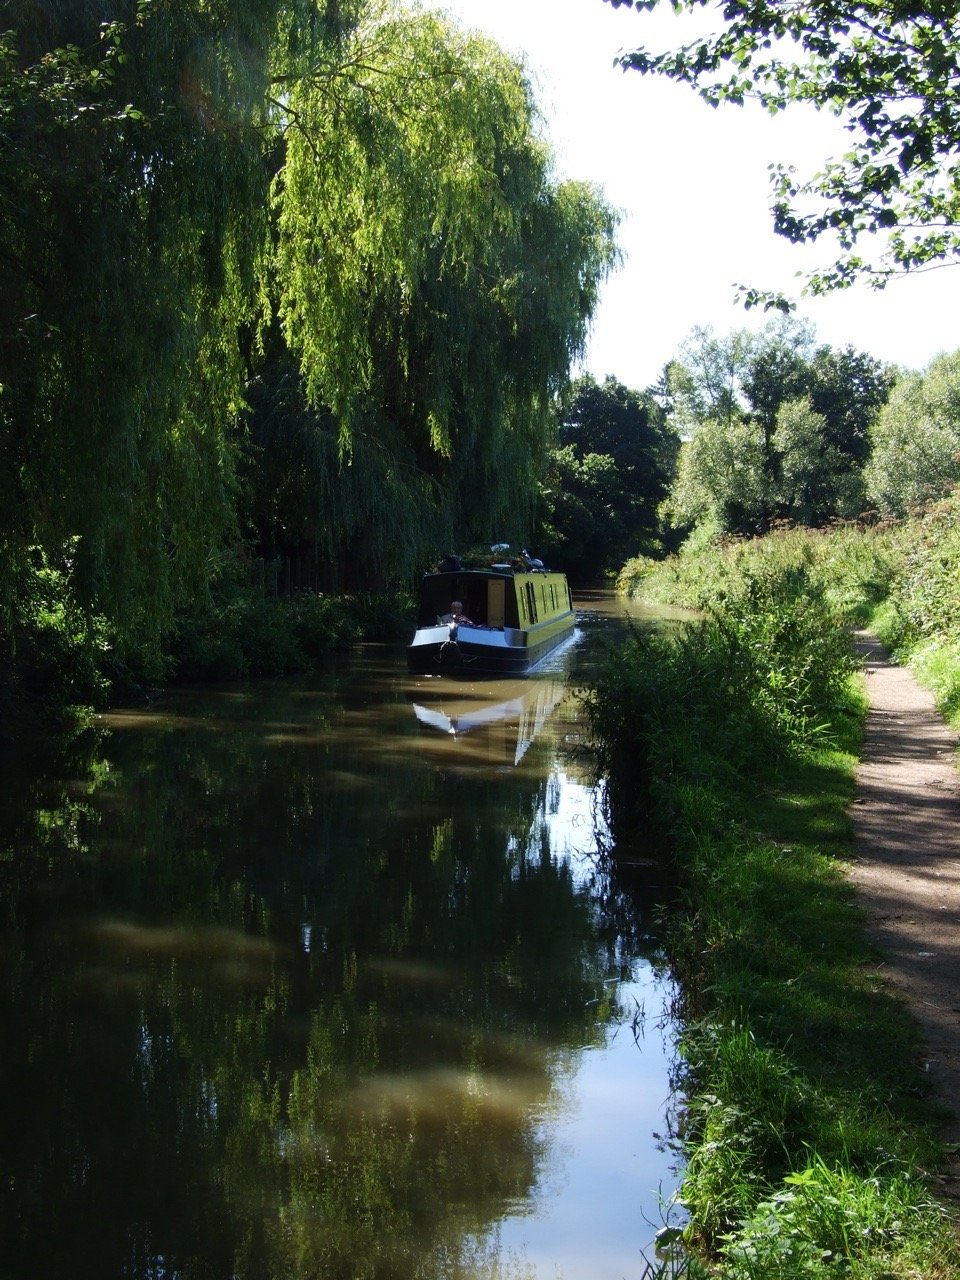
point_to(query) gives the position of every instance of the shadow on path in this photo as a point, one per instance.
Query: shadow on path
(907, 870)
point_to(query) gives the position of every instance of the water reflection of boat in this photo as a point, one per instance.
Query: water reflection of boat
(493, 723)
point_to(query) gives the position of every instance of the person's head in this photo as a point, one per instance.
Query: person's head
(456, 606)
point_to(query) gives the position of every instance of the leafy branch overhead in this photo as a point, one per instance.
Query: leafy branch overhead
(891, 71)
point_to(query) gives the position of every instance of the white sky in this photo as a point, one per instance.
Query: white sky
(692, 185)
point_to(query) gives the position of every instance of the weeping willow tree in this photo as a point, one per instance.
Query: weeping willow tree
(186, 185)
(434, 283)
(306, 498)
(133, 219)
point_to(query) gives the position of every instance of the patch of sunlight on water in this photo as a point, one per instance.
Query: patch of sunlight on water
(604, 1165)
(601, 1173)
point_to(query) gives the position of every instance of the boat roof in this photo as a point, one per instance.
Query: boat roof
(492, 571)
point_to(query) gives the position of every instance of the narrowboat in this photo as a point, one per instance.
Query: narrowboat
(502, 619)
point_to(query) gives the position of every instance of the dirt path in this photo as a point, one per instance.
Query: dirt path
(907, 870)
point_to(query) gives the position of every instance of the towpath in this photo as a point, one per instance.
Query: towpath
(907, 868)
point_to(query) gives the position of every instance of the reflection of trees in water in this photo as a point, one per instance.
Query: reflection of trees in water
(282, 999)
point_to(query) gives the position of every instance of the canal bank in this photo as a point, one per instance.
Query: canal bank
(811, 1146)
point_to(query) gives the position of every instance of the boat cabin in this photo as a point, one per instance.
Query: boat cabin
(494, 599)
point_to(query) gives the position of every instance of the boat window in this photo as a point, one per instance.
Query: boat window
(531, 603)
(496, 596)
(436, 595)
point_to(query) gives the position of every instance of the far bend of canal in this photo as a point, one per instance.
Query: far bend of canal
(327, 980)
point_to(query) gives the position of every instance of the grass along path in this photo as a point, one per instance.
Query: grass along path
(812, 1151)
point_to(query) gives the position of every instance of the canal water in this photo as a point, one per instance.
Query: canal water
(331, 978)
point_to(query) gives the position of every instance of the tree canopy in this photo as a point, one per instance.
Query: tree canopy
(916, 439)
(891, 72)
(132, 218)
(610, 472)
(435, 280)
(784, 433)
(225, 226)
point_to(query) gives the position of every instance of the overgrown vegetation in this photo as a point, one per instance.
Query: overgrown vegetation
(920, 617)
(732, 739)
(62, 661)
(899, 576)
(56, 655)
(851, 566)
(266, 294)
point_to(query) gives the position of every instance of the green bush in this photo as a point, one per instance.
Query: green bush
(856, 566)
(58, 659)
(660, 707)
(55, 655)
(751, 682)
(827, 1221)
(852, 567)
(249, 634)
(936, 665)
(796, 658)
(919, 616)
(927, 588)
(383, 615)
(319, 625)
